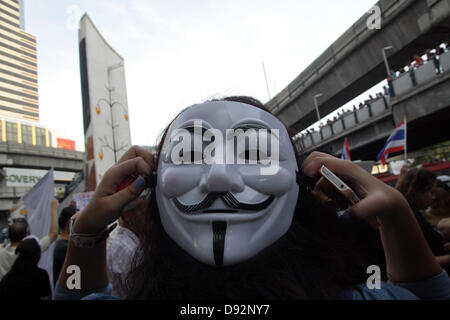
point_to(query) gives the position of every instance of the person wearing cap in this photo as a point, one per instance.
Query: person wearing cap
(18, 230)
(59, 253)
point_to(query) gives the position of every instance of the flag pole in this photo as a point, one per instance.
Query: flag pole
(267, 83)
(406, 138)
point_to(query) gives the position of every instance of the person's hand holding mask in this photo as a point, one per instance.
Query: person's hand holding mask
(106, 204)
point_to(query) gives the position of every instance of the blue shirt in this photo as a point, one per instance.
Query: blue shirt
(436, 288)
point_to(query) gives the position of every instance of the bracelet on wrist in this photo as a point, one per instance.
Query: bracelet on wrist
(89, 241)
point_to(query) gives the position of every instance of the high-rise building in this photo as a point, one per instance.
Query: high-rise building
(18, 65)
(105, 103)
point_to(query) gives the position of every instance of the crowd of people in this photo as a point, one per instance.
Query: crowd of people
(20, 276)
(211, 231)
(345, 112)
(429, 56)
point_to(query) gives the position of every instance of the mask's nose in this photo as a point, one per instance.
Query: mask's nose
(221, 178)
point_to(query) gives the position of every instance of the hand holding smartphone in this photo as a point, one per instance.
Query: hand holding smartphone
(340, 186)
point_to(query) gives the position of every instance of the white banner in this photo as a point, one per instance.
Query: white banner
(16, 177)
(38, 212)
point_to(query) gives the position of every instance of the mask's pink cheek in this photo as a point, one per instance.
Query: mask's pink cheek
(277, 184)
(176, 181)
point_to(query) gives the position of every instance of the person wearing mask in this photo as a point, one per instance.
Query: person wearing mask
(244, 231)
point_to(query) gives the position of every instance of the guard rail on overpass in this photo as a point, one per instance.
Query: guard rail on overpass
(423, 97)
(354, 62)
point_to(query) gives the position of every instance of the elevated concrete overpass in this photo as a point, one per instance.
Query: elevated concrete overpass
(38, 157)
(29, 161)
(354, 62)
(426, 105)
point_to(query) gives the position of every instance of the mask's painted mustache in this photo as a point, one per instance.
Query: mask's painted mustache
(229, 200)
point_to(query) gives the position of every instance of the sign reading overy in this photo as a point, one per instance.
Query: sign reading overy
(16, 177)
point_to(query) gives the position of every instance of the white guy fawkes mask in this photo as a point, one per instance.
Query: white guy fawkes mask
(221, 210)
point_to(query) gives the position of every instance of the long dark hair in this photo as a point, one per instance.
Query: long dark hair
(417, 180)
(318, 258)
(29, 253)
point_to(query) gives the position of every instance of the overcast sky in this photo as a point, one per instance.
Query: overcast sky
(180, 52)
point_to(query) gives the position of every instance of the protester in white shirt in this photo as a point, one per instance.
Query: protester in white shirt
(122, 248)
(18, 231)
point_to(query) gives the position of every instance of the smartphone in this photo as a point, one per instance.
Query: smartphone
(340, 186)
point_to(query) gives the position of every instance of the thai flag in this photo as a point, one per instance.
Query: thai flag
(395, 143)
(346, 151)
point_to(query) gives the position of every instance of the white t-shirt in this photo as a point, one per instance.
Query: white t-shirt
(119, 256)
(8, 255)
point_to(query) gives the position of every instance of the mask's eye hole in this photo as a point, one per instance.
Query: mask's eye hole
(253, 156)
(190, 157)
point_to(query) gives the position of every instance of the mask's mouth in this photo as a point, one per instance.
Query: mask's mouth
(229, 199)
